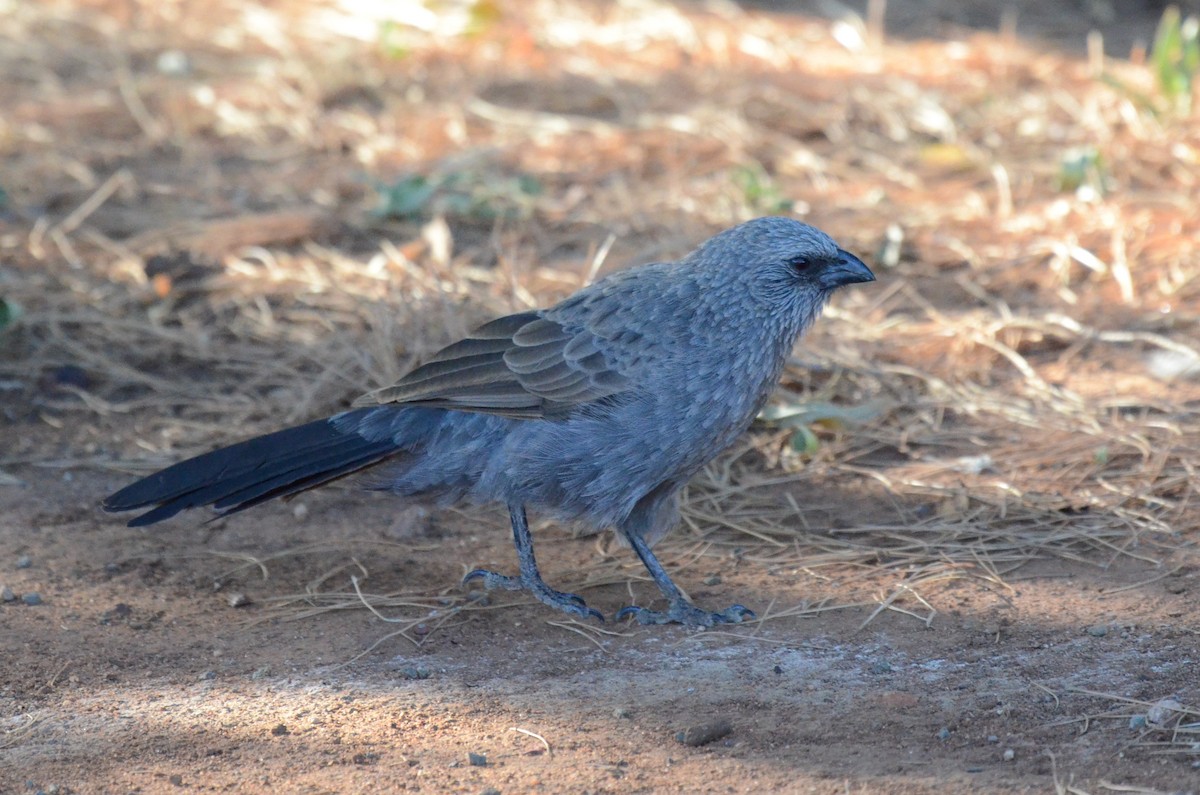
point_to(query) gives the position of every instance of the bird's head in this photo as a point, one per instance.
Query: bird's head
(780, 259)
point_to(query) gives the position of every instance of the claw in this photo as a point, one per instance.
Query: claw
(566, 602)
(493, 581)
(626, 612)
(736, 614)
(680, 610)
(591, 612)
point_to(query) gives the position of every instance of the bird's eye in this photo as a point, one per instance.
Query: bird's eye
(800, 263)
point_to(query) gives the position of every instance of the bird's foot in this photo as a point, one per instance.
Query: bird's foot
(687, 614)
(566, 602)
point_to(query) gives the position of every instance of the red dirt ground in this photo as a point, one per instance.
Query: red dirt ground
(896, 655)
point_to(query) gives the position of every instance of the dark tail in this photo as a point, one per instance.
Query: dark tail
(235, 478)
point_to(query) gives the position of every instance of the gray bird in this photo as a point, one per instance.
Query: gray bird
(596, 410)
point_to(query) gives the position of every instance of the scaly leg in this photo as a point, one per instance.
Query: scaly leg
(681, 611)
(531, 579)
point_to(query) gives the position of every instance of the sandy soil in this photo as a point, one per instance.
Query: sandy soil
(137, 673)
(928, 625)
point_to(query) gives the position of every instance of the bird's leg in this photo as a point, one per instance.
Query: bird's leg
(531, 579)
(681, 611)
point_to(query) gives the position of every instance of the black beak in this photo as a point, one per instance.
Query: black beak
(846, 269)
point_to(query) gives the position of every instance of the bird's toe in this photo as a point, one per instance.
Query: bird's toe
(493, 580)
(735, 614)
(687, 614)
(566, 602)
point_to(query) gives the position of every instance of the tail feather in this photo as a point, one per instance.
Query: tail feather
(245, 474)
(319, 472)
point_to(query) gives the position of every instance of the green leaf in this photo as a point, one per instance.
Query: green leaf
(1175, 57)
(1082, 166)
(9, 312)
(795, 415)
(405, 198)
(390, 40)
(480, 195)
(759, 191)
(529, 185)
(1168, 41)
(805, 441)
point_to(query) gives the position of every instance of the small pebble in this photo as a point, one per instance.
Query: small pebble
(176, 779)
(713, 580)
(1098, 630)
(237, 600)
(993, 739)
(1162, 711)
(778, 669)
(174, 63)
(32, 599)
(622, 712)
(415, 672)
(880, 667)
(280, 730)
(490, 791)
(704, 733)
(70, 375)
(943, 733)
(477, 760)
(1009, 754)
(24, 562)
(207, 675)
(7, 594)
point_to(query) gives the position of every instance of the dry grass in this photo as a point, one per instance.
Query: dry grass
(196, 259)
(1165, 727)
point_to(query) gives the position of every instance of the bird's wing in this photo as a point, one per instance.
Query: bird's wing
(522, 365)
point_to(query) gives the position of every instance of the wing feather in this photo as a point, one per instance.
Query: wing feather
(526, 361)
(524, 365)
(540, 332)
